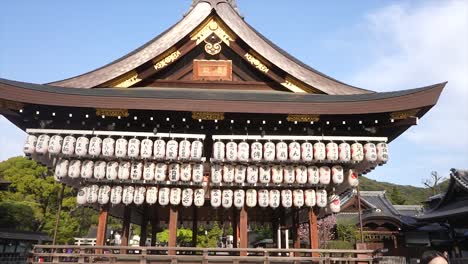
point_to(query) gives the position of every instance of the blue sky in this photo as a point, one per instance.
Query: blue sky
(378, 45)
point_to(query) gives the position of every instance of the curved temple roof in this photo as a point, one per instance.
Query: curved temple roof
(226, 11)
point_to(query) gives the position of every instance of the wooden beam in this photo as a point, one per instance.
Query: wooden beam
(126, 225)
(144, 226)
(194, 226)
(313, 231)
(102, 226)
(154, 224)
(235, 227)
(173, 215)
(296, 226)
(244, 238)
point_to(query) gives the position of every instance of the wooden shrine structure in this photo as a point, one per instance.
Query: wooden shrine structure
(209, 121)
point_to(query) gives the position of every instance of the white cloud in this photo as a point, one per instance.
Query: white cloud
(413, 46)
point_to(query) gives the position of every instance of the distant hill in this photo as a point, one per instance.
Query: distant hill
(412, 194)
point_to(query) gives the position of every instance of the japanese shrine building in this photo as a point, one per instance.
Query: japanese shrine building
(249, 133)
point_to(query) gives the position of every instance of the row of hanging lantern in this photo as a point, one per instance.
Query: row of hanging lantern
(278, 174)
(109, 147)
(296, 152)
(273, 198)
(126, 170)
(128, 195)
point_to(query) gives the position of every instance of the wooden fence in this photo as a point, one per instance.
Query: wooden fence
(145, 255)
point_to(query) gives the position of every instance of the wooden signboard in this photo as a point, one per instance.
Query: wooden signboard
(212, 70)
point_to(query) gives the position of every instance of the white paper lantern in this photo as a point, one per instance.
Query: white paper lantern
(251, 198)
(139, 195)
(269, 151)
(100, 170)
(252, 174)
(382, 152)
(121, 146)
(174, 172)
(240, 174)
(263, 198)
(187, 197)
(281, 151)
(133, 148)
(216, 173)
(55, 144)
(227, 199)
(357, 152)
(197, 173)
(146, 149)
(184, 149)
(172, 149)
(128, 193)
(321, 198)
(219, 150)
(186, 172)
(68, 146)
(344, 152)
(275, 197)
(216, 197)
(164, 194)
(199, 197)
(334, 203)
(239, 198)
(136, 172)
(370, 152)
(265, 174)
(337, 174)
(294, 151)
(82, 196)
(151, 195)
(92, 194)
(228, 173)
(108, 147)
(116, 195)
(30, 145)
(124, 170)
(159, 149)
(353, 178)
(95, 146)
(286, 198)
(307, 152)
(310, 198)
(301, 175)
(87, 169)
(320, 152)
(196, 150)
(74, 169)
(160, 172)
(42, 145)
(256, 151)
(332, 151)
(104, 194)
(289, 174)
(231, 151)
(61, 169)
(277, 174)
(243, 151)
(149, 171)
(298, 198)
(325, 175)
(81, 148)
(176, 195)
(112, 170)
(313, 175)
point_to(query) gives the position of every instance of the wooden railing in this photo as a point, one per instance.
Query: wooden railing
(124, 255)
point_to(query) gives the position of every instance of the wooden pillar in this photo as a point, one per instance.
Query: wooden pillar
(102, 226)
(194, 226)
(173, 215)
(144, 226)
(297, 241)
(244, 238)
(313, 231)
(235, 226)
(154, 224)
(126, 225)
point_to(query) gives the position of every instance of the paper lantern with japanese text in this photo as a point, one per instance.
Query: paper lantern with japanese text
(344, 152)
(112, 170)
(239, 198)
(174, 172)
(116, 195)
(337, 174)
(61, 169)
(124, 170)
(176, 195)
(353, 178)
(82, 195)
(186, 172)
(197, 173)
(251, 198)
(216, 198)
(240, 174)
(74, 169)
(136, 171)
(252, 174)
(42, 144)
(92, 194)
(121, 145)
(199, 197)
(55, 144)
(95, 146)
(301, 175)
(127, 196)
(159, 149)
(256, 151)
(196, 150)
(321, 198)
(228, 173)
(227, 198)
(172, 149)
(104, 194)
(231, 151)
(286, 198)
(277, 174)
(313, 174)
(289, 174)
(334, 203)
(243, 151)
(263, 198)
(294, 151)
(264, 174)
(87, 169)
(100, 170)
(30, 145)
(68, 146)
(370, 152)
(163, 196)
(357, 152)
(275, 197)
(160, 172)
(139, 195)
(187, 197)
(325, 175)
(184, 149)
(219, 150)
(269, 151)
(281, 151)
(332, 151)
(151, 195)
(216, 173)
(382, 152)
(133, 148)
(320, 152)
(81, 148)
(310, 198)
(307, 151)
(149, 171)
(108, 147)
(146, 148)
(298, 198)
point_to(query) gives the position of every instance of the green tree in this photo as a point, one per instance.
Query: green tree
(184, 236)
(16, 215)
(209, 238)
(396, 197)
